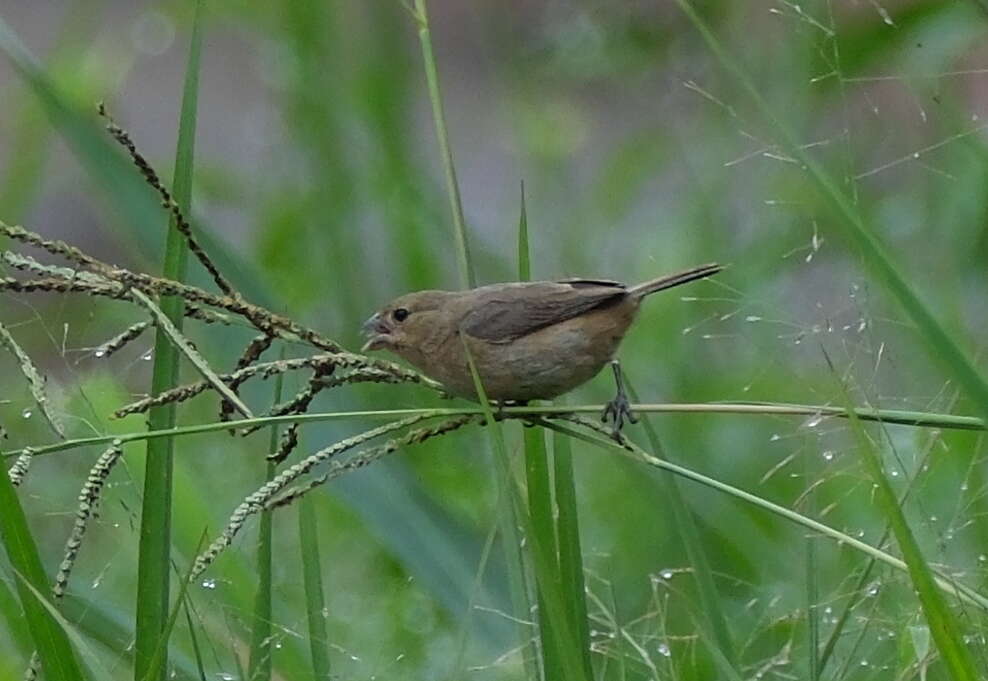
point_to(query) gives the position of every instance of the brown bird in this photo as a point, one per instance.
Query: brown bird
(528, 340)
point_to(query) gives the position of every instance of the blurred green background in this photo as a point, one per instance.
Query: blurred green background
(318, 186)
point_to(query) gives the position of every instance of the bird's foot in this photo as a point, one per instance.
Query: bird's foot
(619, 409)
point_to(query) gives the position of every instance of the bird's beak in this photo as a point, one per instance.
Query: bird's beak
(377, 333)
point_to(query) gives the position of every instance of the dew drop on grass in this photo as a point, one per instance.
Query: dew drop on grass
(664, 650)
(209, 584)
(775, 436)
(828, 455)
(147, 355)
(99, 354)
(983, 558)
(26, 413)
(667, 574)
(814, 421)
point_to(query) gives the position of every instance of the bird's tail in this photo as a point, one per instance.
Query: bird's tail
(670, 280)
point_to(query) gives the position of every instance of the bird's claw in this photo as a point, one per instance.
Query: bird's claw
(619, 409)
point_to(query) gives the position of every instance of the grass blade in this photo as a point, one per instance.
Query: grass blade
(155, 542)
(954, 651)
(554, 525)
(259, 664)
(567, 657)
(570, 548)
(50, 640)
(315, 602)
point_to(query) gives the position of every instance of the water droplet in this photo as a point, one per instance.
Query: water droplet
(827, 610)
(814, 421)
(147, 355)
(664, 650)
(983, 558)
(753, 318)
(864, 663)
(873, 589)
(26, 413)
(828, 455)
(667, 574)
(894, 474)
(99, 353)
(775, 436)
(209, 584)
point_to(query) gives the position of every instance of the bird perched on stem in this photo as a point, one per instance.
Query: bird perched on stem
(528, 340)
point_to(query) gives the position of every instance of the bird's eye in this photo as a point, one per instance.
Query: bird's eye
(401, 314)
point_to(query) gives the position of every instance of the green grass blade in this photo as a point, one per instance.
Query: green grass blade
(857, 232)
(567, 657)
(570, 547)
(954, 652)
(158, 666)
(57, 658)
(468, 278)
(259, 664)
(155, 542)
(685, 522)
(554, 525)
(315, 602)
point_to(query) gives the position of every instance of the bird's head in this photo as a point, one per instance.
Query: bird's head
(405, 322)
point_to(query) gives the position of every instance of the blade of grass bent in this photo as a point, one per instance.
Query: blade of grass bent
(50, 640)
(155, 540)
(942, 346)
(946, 634)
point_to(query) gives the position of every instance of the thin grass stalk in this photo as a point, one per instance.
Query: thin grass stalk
(259, 664)
(468, 278)
(155, 540)
(887, 416)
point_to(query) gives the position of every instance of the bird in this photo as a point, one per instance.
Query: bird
(528, 340)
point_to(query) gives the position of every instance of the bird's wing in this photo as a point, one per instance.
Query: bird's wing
(513, 312)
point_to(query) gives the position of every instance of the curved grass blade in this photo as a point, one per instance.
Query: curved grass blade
(154, 559)
(954, 651)
(50, 640)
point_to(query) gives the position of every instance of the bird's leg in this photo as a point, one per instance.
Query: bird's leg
(619, 408)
